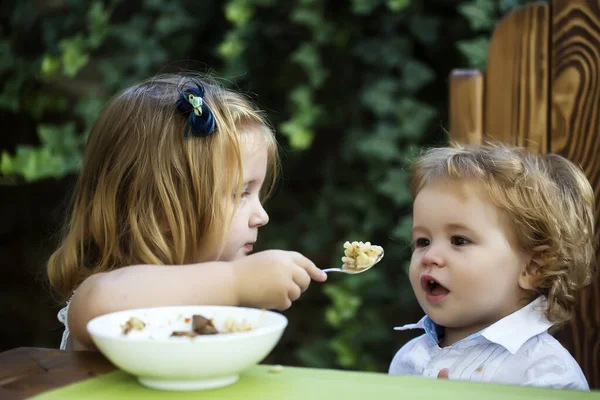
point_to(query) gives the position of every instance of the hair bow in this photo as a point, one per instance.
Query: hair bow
(200, 120)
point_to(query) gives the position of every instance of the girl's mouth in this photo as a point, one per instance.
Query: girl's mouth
(434, 290)
(249, 246)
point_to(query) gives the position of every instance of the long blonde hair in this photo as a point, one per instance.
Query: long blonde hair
(548, 203)
(147, 195)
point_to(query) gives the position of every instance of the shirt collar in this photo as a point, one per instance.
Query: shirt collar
(515, 329)
(511, 332)
(432, 330)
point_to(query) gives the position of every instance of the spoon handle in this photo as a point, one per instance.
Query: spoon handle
(332, 270)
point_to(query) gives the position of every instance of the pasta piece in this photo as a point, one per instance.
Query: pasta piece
(359, 256)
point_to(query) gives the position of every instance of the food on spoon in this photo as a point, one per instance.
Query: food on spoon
(359, 256)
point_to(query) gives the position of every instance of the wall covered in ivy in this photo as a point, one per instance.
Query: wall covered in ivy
(354, 89)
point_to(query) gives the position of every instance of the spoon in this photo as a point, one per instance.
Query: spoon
(355, 271)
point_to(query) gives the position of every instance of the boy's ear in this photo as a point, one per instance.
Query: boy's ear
(531, 268)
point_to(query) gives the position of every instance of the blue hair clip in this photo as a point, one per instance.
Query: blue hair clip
(200, 120)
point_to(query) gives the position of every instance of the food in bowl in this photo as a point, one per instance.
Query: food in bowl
(200, 326)
(131, 324)
(203, 361)
(204, 326)
(359, 256)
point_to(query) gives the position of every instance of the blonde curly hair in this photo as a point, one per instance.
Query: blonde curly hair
(549, 205)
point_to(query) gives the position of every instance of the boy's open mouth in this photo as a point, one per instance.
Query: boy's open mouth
(432, 287)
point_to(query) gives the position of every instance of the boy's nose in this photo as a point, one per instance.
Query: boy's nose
(433, 257)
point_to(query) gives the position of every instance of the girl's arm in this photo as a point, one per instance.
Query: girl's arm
(270, 279)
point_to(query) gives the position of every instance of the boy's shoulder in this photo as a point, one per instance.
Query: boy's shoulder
(543, 361)
(546, 348)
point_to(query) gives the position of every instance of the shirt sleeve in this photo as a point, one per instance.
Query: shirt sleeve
(401, 364)
(556, 372)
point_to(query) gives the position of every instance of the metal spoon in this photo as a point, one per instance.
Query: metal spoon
(355, 271)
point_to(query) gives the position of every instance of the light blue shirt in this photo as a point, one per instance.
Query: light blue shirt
(516, 350)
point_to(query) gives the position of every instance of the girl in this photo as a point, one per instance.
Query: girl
(168, 205)
(503, 241)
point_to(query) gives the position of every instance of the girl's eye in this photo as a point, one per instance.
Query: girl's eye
(459, 241)
(244, 194)
(421, 242)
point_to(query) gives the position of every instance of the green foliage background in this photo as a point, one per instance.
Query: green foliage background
(353, 87)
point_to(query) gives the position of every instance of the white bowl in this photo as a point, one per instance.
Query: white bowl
(182, 363)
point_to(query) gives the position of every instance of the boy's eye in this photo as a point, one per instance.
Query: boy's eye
(421, 242)
(459, 241)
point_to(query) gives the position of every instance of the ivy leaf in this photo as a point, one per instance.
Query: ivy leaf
(50, 66)
(414, 117)
(238, 12)
(403, 230)
(97, 19)
(364, 7)
(7, 59)
(299, 128)
(88, 109)
(345, 304)
(314, 355)
(415, 75)
(74, 55)
(300, 138)
(45, 102)
(398, 5)
(59, 139)
(394, 186)
(391, 52)
(346, 356)
(475, 51)
(232, 47)
(169, 24)
(308, 57)
(10, 96)
(479, 13)
(134, 33)
(380, 145)
(425, 28)
(380, 96)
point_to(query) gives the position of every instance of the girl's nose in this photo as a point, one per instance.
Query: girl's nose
(259, 217)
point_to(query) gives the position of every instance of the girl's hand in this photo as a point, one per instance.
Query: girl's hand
(273, 279)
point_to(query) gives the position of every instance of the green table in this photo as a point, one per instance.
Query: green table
(310, 384)
(46, 374)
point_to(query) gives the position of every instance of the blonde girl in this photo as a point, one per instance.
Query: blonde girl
(168, 205)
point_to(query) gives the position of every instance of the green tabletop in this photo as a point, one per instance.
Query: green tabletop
(260, 382)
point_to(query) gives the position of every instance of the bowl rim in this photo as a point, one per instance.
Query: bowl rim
(280, 325)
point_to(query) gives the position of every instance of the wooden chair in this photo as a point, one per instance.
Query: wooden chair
(541, 90)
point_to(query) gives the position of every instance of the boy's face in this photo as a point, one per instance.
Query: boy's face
(250, 214)
(464, 269)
